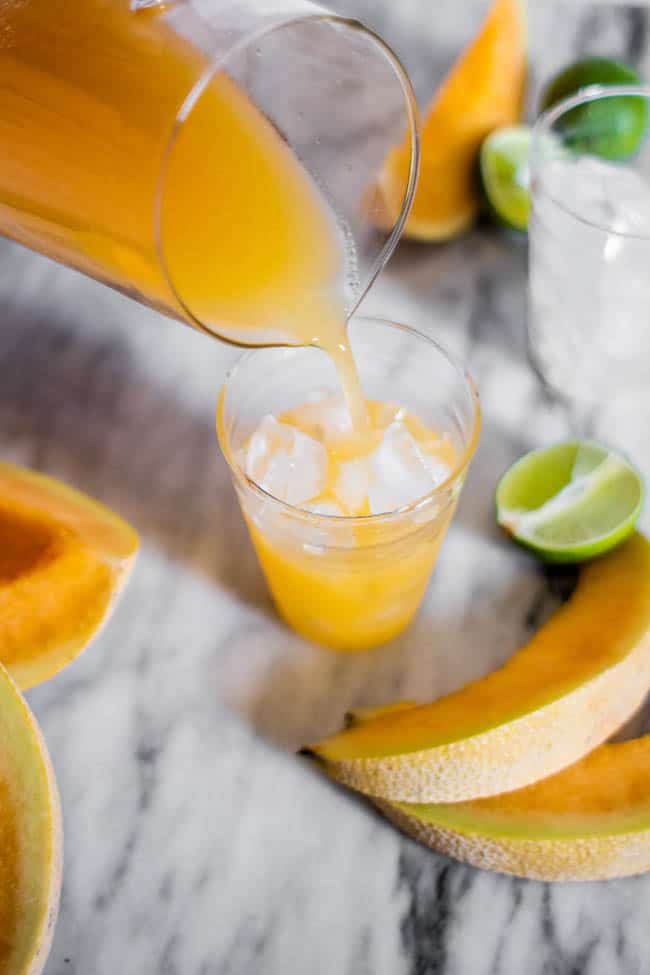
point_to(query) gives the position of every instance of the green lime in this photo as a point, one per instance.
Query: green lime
(609, 127)
(570, 502)
(503, 165)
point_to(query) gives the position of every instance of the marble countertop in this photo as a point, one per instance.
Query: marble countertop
(196, 842)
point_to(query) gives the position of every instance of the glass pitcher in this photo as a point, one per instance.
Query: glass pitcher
(180, 152)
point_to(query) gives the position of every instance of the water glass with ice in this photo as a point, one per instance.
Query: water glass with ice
(350, 582)
(589, 255)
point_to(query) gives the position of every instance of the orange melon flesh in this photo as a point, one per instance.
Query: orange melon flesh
(359, 715)
(63, 560)
(30, 838)
(483, 91)
(590, 821)
(563, 693)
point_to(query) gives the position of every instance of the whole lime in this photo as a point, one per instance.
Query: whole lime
(612, 126)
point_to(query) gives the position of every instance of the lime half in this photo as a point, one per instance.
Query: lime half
(570, 502)
(503, 163)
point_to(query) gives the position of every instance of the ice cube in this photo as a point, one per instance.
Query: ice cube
(268, 437)
(399, 473)
(628, 196)
(277, 474)
(436, 467)
(600, 191)
(352, 484)
(309, 469)
(286, 462)
(323, 508)
(327, 418)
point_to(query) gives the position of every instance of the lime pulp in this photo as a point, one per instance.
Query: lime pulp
(570, 502)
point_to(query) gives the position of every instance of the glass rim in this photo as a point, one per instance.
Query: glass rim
(542, 130)
(198, 88)
(397, 513)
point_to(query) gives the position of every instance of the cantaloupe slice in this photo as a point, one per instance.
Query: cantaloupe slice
(30, 838)
(63, 560)
(483, 91)
(580, 677)
(589, 822)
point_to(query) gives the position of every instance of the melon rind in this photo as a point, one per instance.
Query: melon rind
(590, 821)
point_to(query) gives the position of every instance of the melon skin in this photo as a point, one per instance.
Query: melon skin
(590, 821)
(580, 859)
(34, 803)
(606, 625)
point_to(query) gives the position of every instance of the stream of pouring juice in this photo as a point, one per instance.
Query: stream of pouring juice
(89, 91)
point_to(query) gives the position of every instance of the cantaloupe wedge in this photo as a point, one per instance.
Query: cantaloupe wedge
(30, 838)
(589, 822)
(63, 560)
(483, 91)
(580, 677)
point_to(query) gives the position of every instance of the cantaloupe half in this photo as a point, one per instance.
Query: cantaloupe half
(589, 822)
(63, 560)
(566, 691)
(483, 91)
(30, 838)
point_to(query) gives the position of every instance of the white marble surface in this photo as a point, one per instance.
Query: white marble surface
(196, 843)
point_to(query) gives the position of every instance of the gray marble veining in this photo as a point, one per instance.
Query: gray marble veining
(196, 843)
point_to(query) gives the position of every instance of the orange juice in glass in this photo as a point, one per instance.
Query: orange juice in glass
(351, 581)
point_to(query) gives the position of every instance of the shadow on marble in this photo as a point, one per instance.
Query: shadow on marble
(92, 419)
(493, 456)
(305, 691)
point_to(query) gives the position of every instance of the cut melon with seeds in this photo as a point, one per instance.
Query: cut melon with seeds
(483, 91)
(580, 677)
(63, 560)
(30, 838)
(590, 821)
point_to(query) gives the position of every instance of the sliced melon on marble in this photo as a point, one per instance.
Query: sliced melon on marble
(566, 691)
(30, 838)
(590, 821)
(63, 560)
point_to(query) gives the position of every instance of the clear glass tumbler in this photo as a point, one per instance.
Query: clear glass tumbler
(350, 583)
(589, 240)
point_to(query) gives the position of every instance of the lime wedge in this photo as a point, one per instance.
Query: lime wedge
(503, 164)
(570, 502)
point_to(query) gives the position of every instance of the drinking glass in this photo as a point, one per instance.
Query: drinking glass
(96, 98)
(589, 257)
(350, 583)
